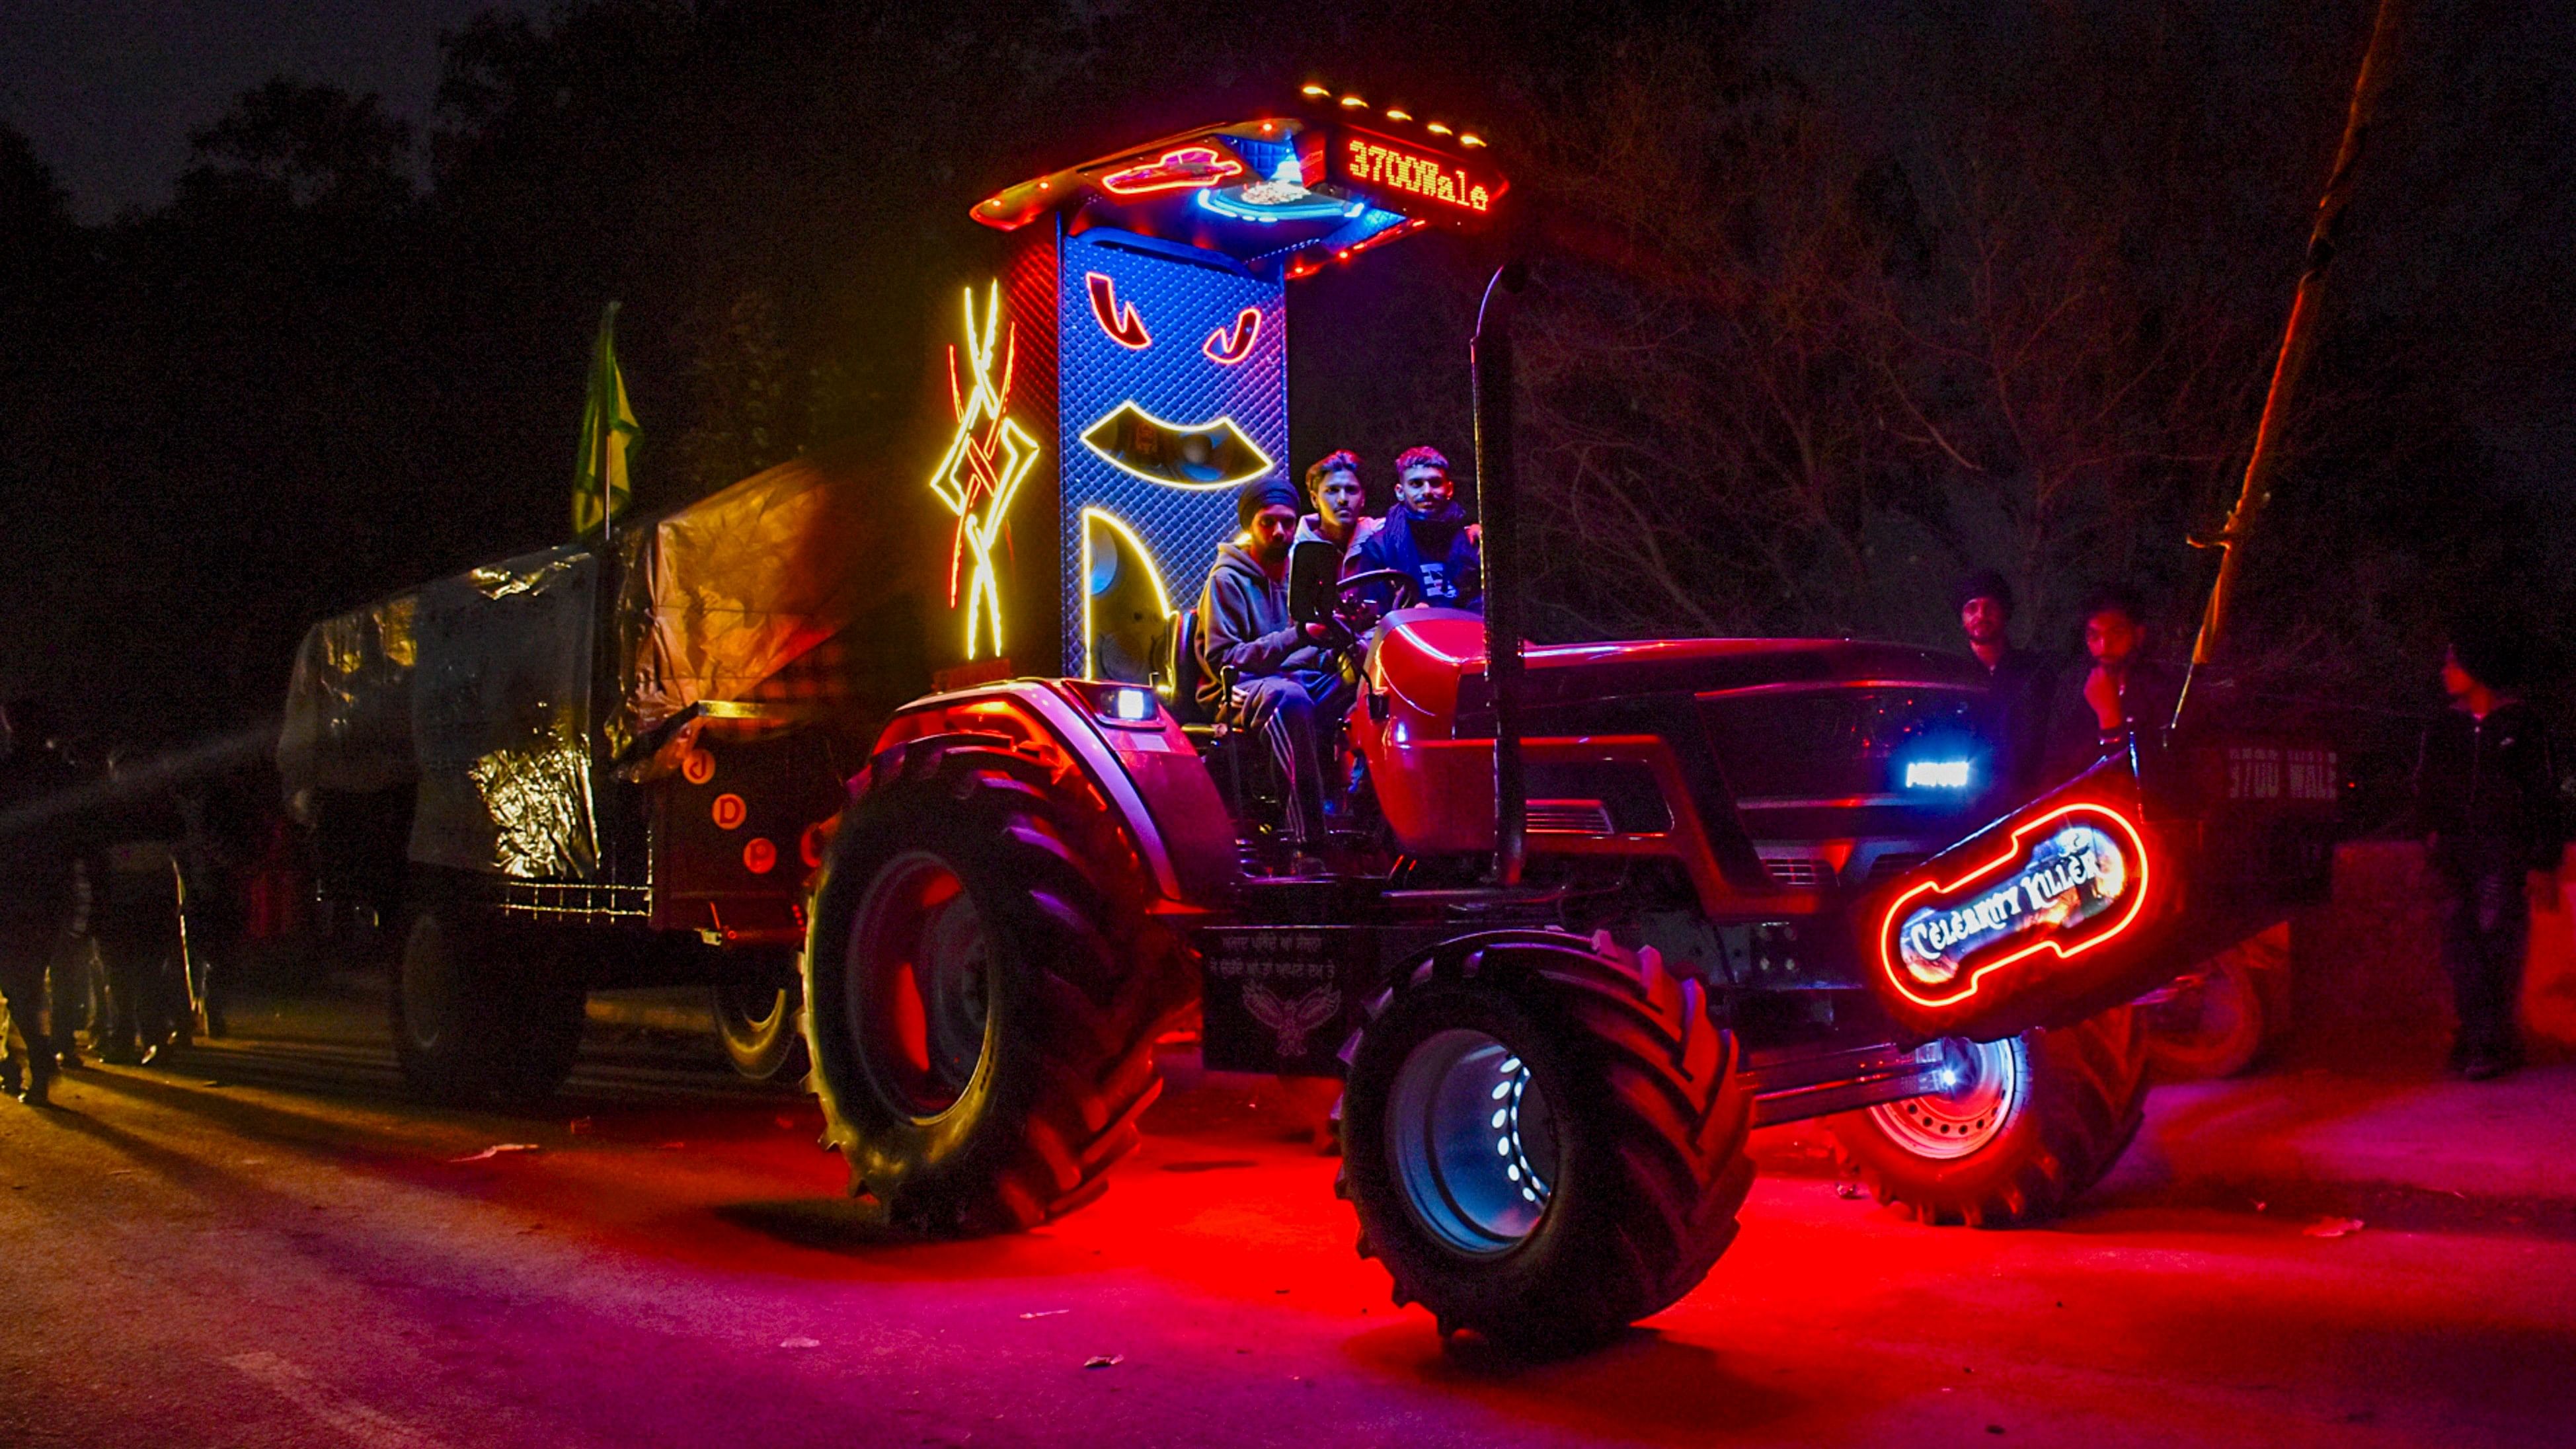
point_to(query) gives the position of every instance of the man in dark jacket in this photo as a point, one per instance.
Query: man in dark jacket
(2122, 693)
(1427, 536)
(2486, 796)
(2019, 686)
(1282, 675)
(35, 885)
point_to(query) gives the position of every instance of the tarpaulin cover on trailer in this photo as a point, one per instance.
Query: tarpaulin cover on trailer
(790, 586)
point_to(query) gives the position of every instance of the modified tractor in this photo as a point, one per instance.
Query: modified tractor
(1598, 910)
(1593, 913)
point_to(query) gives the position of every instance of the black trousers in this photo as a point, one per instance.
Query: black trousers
(23, 953)
(2486, 924)
(146, 996)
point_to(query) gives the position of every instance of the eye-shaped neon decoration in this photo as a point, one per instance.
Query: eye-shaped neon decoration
(1227, 346)
(1106, 593)
(1216, 454)
(2065, 881)
(987, 459)
(1185, 169)
(1120, 321)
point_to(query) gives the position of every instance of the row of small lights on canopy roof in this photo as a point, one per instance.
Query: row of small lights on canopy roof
(1314, 92)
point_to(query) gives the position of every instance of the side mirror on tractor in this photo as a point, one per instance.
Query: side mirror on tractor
(1314, 579)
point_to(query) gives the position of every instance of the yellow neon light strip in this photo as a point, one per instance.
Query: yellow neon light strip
(1142, 554)
(979, 520)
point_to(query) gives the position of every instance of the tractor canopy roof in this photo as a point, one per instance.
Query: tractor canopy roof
(1298, 190)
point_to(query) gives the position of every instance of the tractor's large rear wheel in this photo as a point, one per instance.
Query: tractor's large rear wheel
(1544, 1139)
(984, 990)
(2028, 1125)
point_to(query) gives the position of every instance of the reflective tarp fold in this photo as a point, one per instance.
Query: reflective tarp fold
(793, 590)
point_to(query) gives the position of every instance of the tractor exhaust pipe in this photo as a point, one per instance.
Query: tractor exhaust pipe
(1490, 359)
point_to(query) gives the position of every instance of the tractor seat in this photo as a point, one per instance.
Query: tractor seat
(1178, 673)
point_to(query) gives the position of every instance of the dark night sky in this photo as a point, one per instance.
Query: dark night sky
(107, 90)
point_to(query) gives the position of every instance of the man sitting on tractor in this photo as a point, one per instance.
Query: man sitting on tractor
(1427, 536)
(1333, 484)
(1278, 670)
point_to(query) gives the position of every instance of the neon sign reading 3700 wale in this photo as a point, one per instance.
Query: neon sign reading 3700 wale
(1376, 163)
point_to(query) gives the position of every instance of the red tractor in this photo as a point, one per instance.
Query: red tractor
(1601, 910)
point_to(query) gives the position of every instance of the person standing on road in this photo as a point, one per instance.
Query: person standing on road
(1427, 535)
(35, 887)
(2123, 693)
(136, 922)
(2019, 685)
(2486, 798)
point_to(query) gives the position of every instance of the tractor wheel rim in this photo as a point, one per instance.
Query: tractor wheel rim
(919, 974)
(751, 1008)
(1472, 1142)
(1981, 1104)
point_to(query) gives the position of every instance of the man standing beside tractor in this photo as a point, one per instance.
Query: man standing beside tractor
(2486, 792)
(2021, 682)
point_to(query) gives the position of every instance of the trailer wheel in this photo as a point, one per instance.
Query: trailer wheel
(484, 1011)
(2032, 1123)
(760, 1020)
(984, 988)
(1544, 1139)
(2213, 1023)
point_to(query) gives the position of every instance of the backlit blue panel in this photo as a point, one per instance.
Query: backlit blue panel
(1189, 304)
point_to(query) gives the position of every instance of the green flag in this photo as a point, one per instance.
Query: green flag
(608, 431)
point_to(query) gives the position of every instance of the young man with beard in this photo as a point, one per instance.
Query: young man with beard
(1341, 503)
(2019, 684)
(1427, 536)
(2123, 692)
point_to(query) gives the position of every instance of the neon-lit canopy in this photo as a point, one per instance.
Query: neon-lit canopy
(1282, 189)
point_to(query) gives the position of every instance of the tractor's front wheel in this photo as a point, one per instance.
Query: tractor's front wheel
(1544, 1139)
(2028, 1124)
(759, 1015)
(984, 988)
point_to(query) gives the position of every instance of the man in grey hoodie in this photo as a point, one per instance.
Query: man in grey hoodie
(1282, 674)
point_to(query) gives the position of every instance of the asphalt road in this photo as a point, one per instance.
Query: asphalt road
(266, 1246)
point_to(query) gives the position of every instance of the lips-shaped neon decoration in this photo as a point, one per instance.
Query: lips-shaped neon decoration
(1215, 454)
(2066, 881)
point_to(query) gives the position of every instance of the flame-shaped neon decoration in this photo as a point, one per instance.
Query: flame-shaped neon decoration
(988, 458)
(1227, 346)
(1121, 322)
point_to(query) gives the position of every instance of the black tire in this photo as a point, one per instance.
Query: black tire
(2216, 1026)
(997, 1098)
(2077, 1097)
(486, 1011)
(1644, 1116)
(760, 1021)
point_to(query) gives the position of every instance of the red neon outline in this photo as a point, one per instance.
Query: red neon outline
(2013, 851)
(1121, 323)
(1200, 166)
(1225, 350)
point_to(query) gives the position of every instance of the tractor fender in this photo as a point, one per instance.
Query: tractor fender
(1148, 775)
